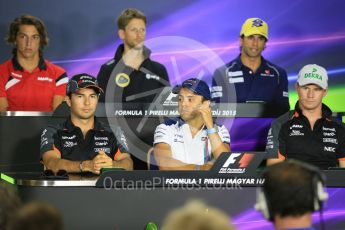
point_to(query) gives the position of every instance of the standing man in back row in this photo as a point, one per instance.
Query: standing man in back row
(133, 79)
(250, 77)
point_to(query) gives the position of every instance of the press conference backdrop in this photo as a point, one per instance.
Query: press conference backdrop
(192, 38)
(83, 34)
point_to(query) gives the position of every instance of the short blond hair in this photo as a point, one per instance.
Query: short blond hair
(196, 215)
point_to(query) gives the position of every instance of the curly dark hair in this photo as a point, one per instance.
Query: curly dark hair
(27, 20)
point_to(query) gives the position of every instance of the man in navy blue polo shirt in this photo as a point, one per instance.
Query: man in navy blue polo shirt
(82, 143)
(250, 77)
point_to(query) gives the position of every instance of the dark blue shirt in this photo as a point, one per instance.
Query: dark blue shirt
(235, 82)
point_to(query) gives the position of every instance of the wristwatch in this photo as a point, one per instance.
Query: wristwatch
(212, 130)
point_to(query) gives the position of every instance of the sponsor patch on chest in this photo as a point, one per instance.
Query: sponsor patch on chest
(69, 144)
(330, 140)
(296, 133)
(106, 150)
(178, 138)
(329, 149)
(44, 79)
(267, 73)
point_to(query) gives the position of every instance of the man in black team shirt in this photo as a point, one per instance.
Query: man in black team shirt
(133, 79)
(310, 134)
(82, 143)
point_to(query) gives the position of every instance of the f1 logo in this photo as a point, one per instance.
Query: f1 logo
(171, 96)
(231, 159)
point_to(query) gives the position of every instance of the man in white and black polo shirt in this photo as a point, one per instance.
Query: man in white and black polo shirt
(82, 143)
(193, 140)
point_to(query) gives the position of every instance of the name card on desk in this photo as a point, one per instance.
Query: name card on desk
(231, 170)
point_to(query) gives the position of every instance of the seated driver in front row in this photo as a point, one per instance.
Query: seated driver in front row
(82, 143)
(193, 140)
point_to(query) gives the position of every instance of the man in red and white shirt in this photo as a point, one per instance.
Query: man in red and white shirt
(28, 82)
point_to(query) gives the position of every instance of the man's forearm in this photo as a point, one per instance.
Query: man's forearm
(173, 164)
(57, 164)
(124, 163)
(217, 146)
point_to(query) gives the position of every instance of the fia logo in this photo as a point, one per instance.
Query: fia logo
(236, 163)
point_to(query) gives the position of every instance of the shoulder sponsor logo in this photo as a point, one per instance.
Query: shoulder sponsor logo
(217, 88)
(329, 149)
(296, 133)
(45, 79)
(269, 146)
(217, 94)
(270, 132)
(123, 140)
(44, 132)
(68, 137)
(43, 143)
(44, 140)
(330, 140)
(150, 76)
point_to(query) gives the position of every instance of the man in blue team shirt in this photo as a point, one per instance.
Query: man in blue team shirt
(250, 77)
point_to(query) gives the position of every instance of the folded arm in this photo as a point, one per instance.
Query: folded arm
(165, 161)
